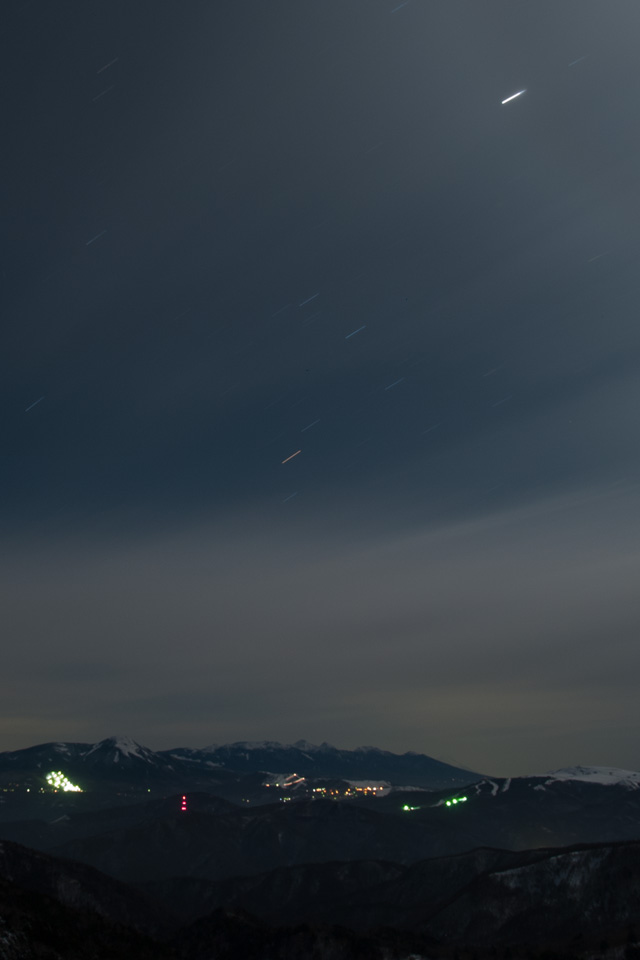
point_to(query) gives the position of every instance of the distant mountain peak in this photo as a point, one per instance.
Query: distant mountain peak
(119, 757)
(307, 746)
(324, 760)
(126, 746)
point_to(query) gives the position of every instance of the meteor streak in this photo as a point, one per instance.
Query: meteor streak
(355, 331)
(97, 237)
(514, 95)
(292, 456)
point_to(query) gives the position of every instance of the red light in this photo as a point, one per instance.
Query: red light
(184, 804)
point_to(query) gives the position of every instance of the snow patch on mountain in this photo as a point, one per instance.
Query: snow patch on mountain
(604, 775)
(120, 747)
(304, 746)
(128, 747)
(247, 745)
(409, 789)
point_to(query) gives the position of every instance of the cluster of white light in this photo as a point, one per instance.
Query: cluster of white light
(57, 781)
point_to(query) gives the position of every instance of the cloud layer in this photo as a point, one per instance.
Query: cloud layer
(507, 642)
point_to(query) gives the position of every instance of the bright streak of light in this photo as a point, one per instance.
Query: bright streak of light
(355, 331)
(514, 95)
(291, 457)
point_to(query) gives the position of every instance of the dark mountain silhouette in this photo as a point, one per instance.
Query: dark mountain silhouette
(523, 865)
(540, 903)
(287, 895)
(484, 896)
(34, 926)
(252, 841)
(215, 839)
(232, 935)
(81, 887)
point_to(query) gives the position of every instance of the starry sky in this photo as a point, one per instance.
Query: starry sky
(319, 373)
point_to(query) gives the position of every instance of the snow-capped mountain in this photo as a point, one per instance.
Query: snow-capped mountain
(324, 760)
(387, 854)
(123, 758)
(126, 753)
(605, 775)
(113, 759)
(120, 759)
(249, 745)
(591, 776)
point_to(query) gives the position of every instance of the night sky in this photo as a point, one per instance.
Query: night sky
(319, 373)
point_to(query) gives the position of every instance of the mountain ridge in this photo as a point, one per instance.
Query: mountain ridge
(116, 754)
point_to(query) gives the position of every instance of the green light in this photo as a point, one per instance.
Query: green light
(455, 800)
